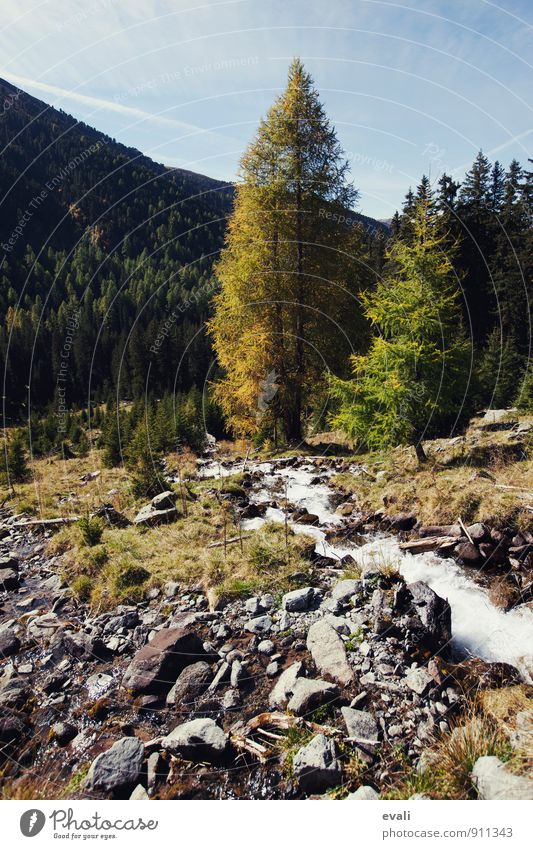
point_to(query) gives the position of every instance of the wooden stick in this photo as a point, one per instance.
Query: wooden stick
(226, 542)
(464, 529)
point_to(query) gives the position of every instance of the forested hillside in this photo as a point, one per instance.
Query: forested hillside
(97, 237)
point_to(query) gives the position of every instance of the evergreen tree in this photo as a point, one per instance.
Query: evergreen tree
(16, 459)
(413, 379)
(289, 269)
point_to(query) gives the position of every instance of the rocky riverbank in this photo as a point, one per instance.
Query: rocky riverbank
(338, 686)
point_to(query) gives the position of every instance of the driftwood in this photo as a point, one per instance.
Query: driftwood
(465, 530)
(66, 520)
(428, 544)
(241, 733)
(227, 542)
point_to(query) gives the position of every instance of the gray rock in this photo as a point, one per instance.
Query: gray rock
(9, 643)
(266, 647)
(434, 613)
(191, 683)
(419, 681)
(139, 794)
(118, 767)
(360, 725)
(328, 652)
(164, 501)
(298, 600)
(339, 624)
(494, 781)
(344, 590)
(156, 665)
(285, 685)
(149, 515)
(43, 627)
(267, 601)
(272, 669)
(316, 766)
(222, 677)
(231, 700)
(9, 580)
(253, 606)
(308, 695)
(364, 793)
(14, 692)
(64, 732)
(197, 739)
(259, 625)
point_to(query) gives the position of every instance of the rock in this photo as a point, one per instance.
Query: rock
(284, 688)
(344, 590)
(156, 768)
(83, 646)
(139, 794)
(222, 677)
(267, 601)
(155, 666)
(360, 725)
(12, 728)
(382, 616)
(259, 625)
(231, 700)
(419, 681)
(266, 647)
(63, 732)
(191, 683)
(118, 767)
(522, 735)
(434, 613)
(14, 693)
(164, 501)
(272, 669)
(328, 652)
(316, 766)
(9, 643)
(364, 793)
(148, 515)
(253, 606)
(494, 781)
(298, 600)
(43, 627)
(302, 517)
(9, 580)
(468, 553)
(402, 522)
(308, 695)
(478, 532)
(9, 561)
(197, 739)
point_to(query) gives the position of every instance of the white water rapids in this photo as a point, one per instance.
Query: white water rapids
(479, 628)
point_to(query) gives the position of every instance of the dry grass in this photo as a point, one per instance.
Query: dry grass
(453, 483)
(55, 487)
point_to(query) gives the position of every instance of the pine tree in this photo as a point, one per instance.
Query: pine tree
(289, 269)
(412, 381)
(16, 459)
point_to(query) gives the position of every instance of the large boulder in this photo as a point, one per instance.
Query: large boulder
(308, 695)
(328, 652)
(118, 767)
(192, 682)
(155, 667)
(494, 781)
(198, 739)
(434, 613)
(316, 766)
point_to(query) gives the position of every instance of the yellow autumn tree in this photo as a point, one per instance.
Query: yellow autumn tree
(292, 263)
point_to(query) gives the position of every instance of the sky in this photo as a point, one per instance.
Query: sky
(412, 87)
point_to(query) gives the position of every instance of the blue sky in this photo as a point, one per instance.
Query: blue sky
(412, 87)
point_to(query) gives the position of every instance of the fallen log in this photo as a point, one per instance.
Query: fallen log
(66, 520)
(419, 546)
(227, 542)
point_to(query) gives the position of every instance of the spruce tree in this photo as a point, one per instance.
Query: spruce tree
(292, 263)
(413, 379)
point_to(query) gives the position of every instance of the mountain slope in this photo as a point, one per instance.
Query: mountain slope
(104, 248)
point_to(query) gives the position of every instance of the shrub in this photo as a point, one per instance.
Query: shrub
(82, 587)
(91, 530)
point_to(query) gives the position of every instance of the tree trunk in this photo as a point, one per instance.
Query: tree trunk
(421, 455)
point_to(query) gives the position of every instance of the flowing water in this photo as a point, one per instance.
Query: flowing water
(479, 628)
